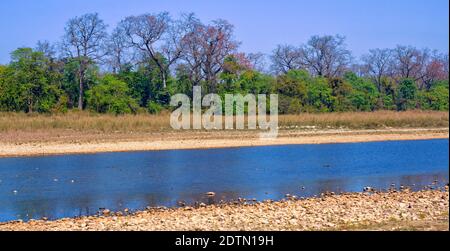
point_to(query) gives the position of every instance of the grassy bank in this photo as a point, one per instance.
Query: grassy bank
(95, 123)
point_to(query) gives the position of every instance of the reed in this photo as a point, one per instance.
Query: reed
(96, 123)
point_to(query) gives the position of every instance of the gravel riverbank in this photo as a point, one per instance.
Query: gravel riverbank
(406, 210)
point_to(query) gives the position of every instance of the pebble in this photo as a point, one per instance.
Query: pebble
(347, 210)
(369, 189)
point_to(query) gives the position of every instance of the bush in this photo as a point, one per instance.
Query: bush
(111, 96)
(154, 108)
(407, 94)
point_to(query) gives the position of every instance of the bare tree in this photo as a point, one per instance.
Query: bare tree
(119, 53)
(436, 69)
(326, 56)
(46, 48)
(285, 58)
(410, 62)
(217, 44)
(206, 47)
(258, 61)
(158, 37)
(378, 64)
(84, 40)
(192, 48)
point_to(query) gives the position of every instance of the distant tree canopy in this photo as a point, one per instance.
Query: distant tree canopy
(148, 58)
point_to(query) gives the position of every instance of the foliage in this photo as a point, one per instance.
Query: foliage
(407, 94)
(111, 96)
(27, 85)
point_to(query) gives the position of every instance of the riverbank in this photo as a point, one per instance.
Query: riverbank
(182, 140)
(406, 210)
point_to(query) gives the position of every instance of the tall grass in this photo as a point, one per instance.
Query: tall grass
(368, 120)
(89, 122)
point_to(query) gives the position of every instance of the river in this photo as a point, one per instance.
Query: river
(75, 185)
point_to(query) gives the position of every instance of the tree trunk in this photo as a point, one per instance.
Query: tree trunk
(163, 75)
(81, 93)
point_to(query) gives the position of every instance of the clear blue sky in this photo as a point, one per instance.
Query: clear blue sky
(260, 24)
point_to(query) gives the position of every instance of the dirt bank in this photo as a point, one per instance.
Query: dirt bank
(425, 210)
(74, 143)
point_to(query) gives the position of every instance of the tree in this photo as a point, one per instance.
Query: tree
(111, 96)
(119, 54)
(436, 98)
(435, 70)
(325, 56)
(364, 95)
(205, 49)
(410, 62)
(407, 94)
(342, 93)
(257, 61)
(378, 64)
(27, 84)
(158, 37)
(285, 58)
(293, 90)
(83, 41)
(47, 49)
(320, 95)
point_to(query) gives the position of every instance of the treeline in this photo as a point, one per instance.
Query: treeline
(147, 58)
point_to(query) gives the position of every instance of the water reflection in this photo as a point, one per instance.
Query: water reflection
(67, 186)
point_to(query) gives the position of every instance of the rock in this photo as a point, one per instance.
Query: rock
(106, 212)
(368, 189)
(211, 194)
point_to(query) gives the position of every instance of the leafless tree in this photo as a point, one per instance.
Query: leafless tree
(257, 61)
(84, 40)
(436, 69)
(410, 62)
(326, 56)
(206, 47)
(119, 53)
(217, 44)
(192, 48)
(285, 58)
(378, 64)
(46, 48)
(158, 36)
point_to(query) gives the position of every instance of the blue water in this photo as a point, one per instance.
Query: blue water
(73, 185)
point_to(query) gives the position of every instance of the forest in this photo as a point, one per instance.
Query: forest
(137, 66)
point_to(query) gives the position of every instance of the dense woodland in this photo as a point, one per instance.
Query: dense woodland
(145, 59)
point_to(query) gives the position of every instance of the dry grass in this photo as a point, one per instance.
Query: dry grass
(83, 121)
(369, 120)
(94, 123)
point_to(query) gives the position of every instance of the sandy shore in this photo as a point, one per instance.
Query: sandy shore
(424, 210)
(81, 144)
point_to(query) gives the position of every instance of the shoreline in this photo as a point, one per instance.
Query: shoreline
(210, 140)
(395, 210)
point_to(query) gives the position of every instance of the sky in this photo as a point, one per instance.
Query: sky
(259, 24)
